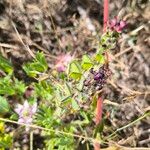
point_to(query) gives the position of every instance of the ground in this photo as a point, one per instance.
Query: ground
(56, 27)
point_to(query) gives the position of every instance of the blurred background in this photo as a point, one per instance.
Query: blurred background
(61, 26)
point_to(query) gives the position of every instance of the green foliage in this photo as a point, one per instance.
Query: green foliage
(10, 87)
(4, 106)
(5, 139)
(6, 86)
(37, 67)
(61, 143)
(86, 62)
(75, 71)
(100, 58)
(44, 90)
(45, 116)
(5, 65)
(59, 96)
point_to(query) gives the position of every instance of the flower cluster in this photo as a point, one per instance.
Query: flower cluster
(116, 25)
(62, 61)
(26, 112)
(97, 79)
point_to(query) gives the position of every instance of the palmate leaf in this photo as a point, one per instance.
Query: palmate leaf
(75, 70)
(5, 65)
(4, 106)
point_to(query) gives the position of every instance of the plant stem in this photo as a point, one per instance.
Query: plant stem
(31, 139)
(130, 124)
(106, 14)
(99, 108)
(49, 130)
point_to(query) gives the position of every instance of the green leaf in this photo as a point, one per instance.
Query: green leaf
(5, 65)
(4, 106)
(75, 70)
(19, 87)
(41, 59)
(100, 58)
(6, 86)
(75, 105)
(75, 75)
(44, 90)
(86, 62)
(99, 128)
(38, 66)
(5, 141)
(67, 88)
(29, 70)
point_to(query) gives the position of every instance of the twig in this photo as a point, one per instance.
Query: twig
(8, 46)
(50, 130)
(26, 46)
(128, 125)
(31, 140)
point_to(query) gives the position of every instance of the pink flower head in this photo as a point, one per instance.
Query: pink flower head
(116, 25)
(62, 62)
(26, 112)
(113, 23)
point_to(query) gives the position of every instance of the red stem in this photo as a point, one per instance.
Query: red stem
(106, 14)
(99, 106)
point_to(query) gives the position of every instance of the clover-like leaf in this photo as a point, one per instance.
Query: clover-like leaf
(100, 58)
(75, 70)
(86, 62)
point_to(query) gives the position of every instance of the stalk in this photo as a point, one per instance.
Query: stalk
(105, 14)
(99, 106)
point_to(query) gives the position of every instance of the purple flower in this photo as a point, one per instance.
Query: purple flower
(26, 112)
(98, 76)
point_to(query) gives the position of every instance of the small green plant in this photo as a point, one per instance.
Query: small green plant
(5, 139)
(61, 101)
(70, 92)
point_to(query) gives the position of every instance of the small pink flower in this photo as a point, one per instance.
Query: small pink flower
(62, 62)
(113, 23)
(26, 112)
(116, 25)
(122, 24)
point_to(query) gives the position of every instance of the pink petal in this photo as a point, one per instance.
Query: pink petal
(19, 109)
(21, 120)
(62, 62)
(122, 24)
(61, 68)
(113, 22)
(118, 29)
(26, 105)
(28, 120)
(34, 108)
